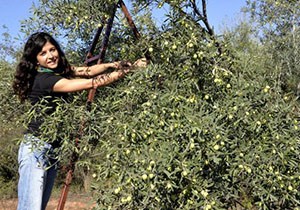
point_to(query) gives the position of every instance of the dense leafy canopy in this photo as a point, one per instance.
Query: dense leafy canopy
(206, 124)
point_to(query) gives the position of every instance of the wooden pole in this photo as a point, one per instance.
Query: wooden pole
(136, 33)
(92, 92)
(71, 167)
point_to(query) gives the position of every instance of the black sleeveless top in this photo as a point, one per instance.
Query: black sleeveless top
(42, 89)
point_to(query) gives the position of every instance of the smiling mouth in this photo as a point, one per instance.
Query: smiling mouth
(52, 62)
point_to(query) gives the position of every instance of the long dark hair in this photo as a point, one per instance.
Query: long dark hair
(27, 67)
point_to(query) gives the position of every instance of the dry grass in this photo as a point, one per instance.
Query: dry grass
(74, 202)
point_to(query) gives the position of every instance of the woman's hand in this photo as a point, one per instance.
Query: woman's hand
(122, 65)
(142, 62)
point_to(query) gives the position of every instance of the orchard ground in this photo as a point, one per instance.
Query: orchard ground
(74, 202)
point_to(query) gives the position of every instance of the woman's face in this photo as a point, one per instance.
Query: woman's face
(48, 57)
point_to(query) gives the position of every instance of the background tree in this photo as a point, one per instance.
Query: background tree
(278, 23)
(10, 112)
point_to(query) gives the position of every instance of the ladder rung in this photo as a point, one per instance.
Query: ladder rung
(92, 59)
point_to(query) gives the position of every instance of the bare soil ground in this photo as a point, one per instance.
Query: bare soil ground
(74, 202)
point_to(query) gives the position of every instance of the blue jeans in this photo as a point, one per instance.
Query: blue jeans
(37, 172)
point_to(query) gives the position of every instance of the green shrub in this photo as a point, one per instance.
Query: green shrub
(198, 128)
(10, 131)
(187, 133)
(169, 148)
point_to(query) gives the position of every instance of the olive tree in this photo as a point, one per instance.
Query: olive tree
(278, 22)
(201, 127)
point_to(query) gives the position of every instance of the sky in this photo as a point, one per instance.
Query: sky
(220, 12)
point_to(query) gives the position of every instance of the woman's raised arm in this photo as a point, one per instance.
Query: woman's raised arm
(73, 85)
(91, 71)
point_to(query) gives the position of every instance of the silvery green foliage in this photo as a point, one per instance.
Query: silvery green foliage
(10, 131)
(278, 24)
(187, 133)
(198, 128)
(74, 24)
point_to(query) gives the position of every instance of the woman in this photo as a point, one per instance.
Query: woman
(45, 74)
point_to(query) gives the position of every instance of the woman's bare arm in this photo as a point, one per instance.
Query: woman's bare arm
(91, 71)
(73, 85)
(77, 84)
